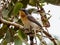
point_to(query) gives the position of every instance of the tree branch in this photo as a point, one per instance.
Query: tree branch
(50, 37)
(11, 23)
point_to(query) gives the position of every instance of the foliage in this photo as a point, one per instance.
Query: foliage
(10, 33)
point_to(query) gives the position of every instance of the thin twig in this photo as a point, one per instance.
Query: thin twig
(46, 33)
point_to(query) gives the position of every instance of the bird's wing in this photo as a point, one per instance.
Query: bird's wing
(32, 19)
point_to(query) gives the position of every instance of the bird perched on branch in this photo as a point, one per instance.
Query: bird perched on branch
(28, 20)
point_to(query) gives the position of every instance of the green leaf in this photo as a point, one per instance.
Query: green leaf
(32, 2)
(18, 5)
(21, 35)
(18, 42)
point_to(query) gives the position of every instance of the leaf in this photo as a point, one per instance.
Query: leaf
(3, 30)
(10, 35)
(10, 8)
(40, 38)
(18, 5)
(41, 1)
(3, 42)
(21, 35)
(32, 2)
(10, 12)
(5, 13)
(18, 42)
(24, 2)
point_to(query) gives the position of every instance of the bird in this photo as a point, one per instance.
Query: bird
(28, 20)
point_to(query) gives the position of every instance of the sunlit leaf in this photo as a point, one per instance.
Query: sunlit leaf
(5, 13)
(40, 38)
(32, 2)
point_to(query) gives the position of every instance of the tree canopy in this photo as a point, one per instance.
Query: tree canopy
(11, 27)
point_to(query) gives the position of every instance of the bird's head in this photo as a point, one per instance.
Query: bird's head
(23, 12)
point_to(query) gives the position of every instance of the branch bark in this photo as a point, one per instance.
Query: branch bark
(11, 23)
(50, 37)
